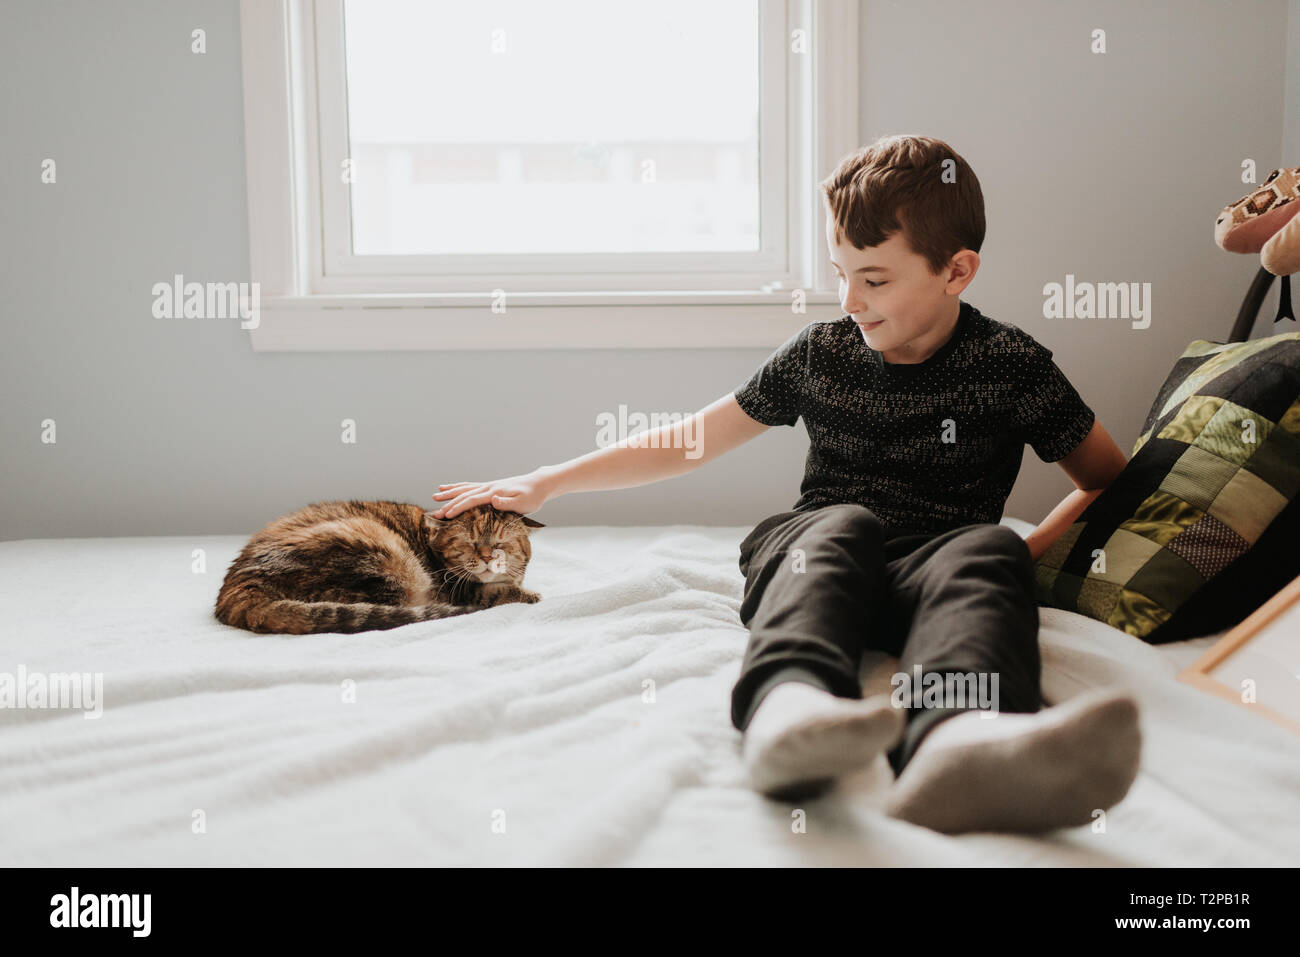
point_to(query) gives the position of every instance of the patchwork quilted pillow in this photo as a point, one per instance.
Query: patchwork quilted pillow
(1203, 524)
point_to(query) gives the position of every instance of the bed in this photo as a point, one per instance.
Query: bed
(589, 729)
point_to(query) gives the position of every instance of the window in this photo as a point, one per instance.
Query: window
(514, 174)
(577, 140)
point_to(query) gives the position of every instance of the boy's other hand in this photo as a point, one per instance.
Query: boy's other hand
(522, 494)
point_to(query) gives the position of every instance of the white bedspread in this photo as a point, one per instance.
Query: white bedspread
(524, 734)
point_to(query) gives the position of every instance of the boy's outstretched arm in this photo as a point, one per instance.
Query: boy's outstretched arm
(681, 447)
(1092, 466)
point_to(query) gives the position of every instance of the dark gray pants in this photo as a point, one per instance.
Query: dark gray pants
(823, 586)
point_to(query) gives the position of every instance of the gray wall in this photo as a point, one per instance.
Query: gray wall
(1291, 132)
(1109, 167)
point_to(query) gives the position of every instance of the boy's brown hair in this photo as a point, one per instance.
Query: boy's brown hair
(899, 183)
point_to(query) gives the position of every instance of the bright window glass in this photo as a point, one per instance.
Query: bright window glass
(553, 127)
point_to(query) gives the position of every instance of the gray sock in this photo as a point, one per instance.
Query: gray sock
(1022, 772)
(802, 738)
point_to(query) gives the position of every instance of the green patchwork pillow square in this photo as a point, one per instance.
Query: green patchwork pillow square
(1202, 526)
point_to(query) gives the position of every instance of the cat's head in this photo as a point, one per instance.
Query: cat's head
(483, 543)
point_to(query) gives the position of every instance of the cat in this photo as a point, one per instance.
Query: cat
(365, 566)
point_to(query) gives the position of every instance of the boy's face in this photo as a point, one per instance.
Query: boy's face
(900, 307)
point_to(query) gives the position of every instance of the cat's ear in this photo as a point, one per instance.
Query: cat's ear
(531, 522)
(433, 521)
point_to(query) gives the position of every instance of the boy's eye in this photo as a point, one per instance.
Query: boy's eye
(873, 285)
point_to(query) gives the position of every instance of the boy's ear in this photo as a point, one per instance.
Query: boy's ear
(532, 522)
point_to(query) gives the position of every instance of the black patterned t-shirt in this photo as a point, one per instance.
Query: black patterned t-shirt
(927, 446)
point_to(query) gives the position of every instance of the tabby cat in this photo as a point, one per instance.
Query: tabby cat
(362, 566)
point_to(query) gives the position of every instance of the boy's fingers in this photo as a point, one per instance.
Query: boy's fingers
(466, 501)
(458, 489)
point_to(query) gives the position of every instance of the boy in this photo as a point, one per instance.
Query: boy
(917, 408)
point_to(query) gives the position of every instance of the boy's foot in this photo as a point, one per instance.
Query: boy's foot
(1022, 772)
(801, 738)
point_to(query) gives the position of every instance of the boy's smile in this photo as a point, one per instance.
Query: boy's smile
(904, 312)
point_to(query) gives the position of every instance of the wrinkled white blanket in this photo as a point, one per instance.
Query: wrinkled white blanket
(591, 728)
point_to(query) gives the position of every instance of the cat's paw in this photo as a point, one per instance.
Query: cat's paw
(491, 597)
(496, 594)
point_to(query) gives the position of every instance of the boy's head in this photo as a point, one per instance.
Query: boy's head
(904, 225)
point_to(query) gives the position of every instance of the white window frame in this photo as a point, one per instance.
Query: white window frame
(313, 298)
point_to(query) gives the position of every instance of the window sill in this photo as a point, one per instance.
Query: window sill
(658, 320)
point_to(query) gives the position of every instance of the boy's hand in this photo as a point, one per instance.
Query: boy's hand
(522, 494)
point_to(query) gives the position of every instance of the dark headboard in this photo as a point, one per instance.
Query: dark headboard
(1249, 311)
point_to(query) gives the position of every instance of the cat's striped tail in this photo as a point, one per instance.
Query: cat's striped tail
(287, 616)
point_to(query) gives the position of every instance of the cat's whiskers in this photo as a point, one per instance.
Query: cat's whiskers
(455, 571)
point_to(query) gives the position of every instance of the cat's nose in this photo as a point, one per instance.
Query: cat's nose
(485, 553)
